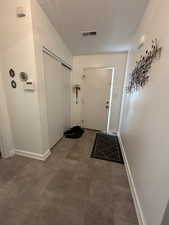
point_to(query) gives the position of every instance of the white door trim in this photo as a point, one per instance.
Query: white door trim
(110, 104)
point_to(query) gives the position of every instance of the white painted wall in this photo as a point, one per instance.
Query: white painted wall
(18, 52)
(45, 35)
(21, 45)
(116, 60)
(6, 141)
(145, 121)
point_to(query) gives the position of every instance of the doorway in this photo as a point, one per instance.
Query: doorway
(98, 86)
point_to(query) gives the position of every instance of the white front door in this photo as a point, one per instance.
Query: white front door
(97, 86)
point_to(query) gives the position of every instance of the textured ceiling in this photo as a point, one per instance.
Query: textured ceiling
(114, 20)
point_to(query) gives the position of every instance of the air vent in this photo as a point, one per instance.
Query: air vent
(89, 33)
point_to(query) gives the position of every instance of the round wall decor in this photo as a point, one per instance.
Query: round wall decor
(11, 73)
(13, 84)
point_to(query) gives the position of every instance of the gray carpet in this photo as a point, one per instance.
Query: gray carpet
(70, 188)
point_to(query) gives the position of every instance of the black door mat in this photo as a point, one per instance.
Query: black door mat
(106, 147)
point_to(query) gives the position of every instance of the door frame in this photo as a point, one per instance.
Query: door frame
(52, 55)
(111, 91)
(45, 50)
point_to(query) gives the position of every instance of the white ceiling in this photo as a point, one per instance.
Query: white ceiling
(114, 20)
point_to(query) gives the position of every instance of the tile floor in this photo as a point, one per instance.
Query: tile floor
(70, 188)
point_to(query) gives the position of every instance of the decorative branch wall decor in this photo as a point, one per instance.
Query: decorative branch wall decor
(140, 74)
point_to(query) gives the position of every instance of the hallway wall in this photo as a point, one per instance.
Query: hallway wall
(17, 49)
(145, 122)
(21, 44)
(116, 60)
(6, 140)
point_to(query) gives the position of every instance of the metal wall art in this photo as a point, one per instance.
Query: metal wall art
(140, 75)
(11, 73)
(13, 84)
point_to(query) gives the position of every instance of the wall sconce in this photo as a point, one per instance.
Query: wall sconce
(76, 88)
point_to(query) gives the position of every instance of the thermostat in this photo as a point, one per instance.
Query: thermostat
(29, 85)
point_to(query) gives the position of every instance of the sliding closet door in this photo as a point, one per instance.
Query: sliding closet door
(66, 97)
(54, 90)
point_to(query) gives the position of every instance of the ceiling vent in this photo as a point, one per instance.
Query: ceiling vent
(89, 33)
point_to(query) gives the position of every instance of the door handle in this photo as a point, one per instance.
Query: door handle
(107, 106)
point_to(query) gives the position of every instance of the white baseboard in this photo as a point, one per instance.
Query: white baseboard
(113, 132)
(41, 157)
(136, 200)
(11, 153)
(8, 154)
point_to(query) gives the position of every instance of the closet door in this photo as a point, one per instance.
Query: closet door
(66, 97)
(54, 90)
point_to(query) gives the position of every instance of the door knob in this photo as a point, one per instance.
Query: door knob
(107, 102)
(107, 106)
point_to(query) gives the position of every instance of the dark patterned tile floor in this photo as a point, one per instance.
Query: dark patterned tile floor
(70, 188)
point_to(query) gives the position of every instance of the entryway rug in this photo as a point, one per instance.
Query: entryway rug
(106, 147)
